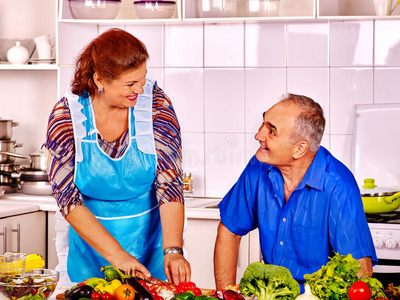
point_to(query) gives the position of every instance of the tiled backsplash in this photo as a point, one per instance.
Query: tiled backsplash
(222, 77)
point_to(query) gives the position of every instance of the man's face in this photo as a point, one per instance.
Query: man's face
(274, 133)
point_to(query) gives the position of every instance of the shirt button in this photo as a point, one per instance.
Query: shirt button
(284, 219)
(281, 243)
(275, 196)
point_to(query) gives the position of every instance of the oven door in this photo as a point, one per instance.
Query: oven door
(387, 271)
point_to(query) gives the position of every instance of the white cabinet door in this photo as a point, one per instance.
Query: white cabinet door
(26, 233)
(199, 242)
(3, 236)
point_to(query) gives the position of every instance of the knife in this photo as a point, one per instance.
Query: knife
(151, 280)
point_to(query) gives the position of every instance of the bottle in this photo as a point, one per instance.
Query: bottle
(187, 182)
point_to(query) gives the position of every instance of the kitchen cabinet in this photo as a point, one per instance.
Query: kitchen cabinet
(52, 259)
(126, 14)
(24, 233)
(199, 242)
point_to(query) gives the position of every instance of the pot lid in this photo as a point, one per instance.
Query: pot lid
(370, 189)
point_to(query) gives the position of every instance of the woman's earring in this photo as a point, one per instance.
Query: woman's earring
(100, 90)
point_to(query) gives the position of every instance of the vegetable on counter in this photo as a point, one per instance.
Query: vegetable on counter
(268, 282)
(359, 290)
(308, 295)
(82, 291)
(392, 292)
(334, 280)
(124, 292)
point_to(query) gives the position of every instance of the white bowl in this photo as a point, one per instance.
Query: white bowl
(217, 8)
(154, 9)
(99, 9)
(262, 8)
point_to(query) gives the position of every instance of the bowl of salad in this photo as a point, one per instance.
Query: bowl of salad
(35, 284)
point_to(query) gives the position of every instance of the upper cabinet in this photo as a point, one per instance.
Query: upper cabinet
(378, 9)
(119, 11)
(128, 11)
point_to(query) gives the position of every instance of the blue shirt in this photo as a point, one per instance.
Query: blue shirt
(323, 214)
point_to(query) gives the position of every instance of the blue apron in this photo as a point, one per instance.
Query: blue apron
(120, 192)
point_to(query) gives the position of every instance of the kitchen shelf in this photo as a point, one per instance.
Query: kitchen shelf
(28, 67)
(126, 15)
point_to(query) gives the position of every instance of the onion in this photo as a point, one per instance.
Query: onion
(307, 294)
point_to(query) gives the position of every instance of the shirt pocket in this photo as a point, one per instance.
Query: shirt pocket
(308, 244)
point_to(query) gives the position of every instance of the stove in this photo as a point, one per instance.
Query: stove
(385, 231)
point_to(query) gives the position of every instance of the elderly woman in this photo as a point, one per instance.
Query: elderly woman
(115, 165)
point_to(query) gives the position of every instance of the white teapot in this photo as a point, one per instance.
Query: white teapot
(18, 54)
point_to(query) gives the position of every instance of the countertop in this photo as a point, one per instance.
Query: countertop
(18, 203)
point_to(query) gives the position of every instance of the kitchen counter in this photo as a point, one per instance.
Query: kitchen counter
(198, 208)
(11, 209)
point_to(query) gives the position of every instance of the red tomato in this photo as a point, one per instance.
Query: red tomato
(197, 292)
(181, 288)
(95, 296)
(124, 292)
(153, 293)
(107, 296)
(359, 290)
(158, 298)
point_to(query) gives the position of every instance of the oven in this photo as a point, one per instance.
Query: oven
(385, 231)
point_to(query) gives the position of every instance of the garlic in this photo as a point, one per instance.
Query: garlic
(307, 294)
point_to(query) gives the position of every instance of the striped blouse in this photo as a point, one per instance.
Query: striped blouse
(61, 153)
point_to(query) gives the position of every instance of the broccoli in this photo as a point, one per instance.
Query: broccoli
(268, 282)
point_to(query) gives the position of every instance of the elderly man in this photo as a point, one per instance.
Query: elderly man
(305, 203)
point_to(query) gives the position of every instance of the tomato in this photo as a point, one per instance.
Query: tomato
(153, 293)
(197, 292)
(107, 296)
(95, 296)
(124, 292)
(158, 298)
(359, 290)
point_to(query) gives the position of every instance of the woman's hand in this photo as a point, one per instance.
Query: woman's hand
(177, 268)
(128, 263)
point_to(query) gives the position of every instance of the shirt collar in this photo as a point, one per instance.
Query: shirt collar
(314, 176)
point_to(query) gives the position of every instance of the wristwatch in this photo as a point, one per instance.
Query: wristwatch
(173, 250)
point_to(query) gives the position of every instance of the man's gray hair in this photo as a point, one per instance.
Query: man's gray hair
(310, 124)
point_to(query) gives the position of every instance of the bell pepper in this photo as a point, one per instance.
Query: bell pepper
(205, 297)
(189, 295)
(94, 281)
(108, 287)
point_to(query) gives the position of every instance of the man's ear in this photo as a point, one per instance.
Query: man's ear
(301, 148)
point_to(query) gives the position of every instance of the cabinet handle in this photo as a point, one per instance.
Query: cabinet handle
(18, 231)
(4, 234)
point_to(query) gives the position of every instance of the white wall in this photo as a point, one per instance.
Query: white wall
(221, 77)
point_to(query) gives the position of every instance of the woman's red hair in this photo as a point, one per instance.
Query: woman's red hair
(109, 55)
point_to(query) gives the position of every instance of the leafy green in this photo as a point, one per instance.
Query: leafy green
(332, 281)
(268, 282)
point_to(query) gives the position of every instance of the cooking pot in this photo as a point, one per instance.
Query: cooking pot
(379, 200)
(7, 146)
(37, 159)
(36, 188)
(25, 175)
(9, 173)
(2, 192)
(6, 129)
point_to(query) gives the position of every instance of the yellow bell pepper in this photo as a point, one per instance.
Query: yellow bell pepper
(109, 287)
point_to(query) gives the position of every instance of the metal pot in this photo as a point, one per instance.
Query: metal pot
(9, 173)
(36, 188)
(379, 200)
(6, 129)
(7, 146)
(37, 159)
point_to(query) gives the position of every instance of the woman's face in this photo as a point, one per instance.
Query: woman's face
(123, 91)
